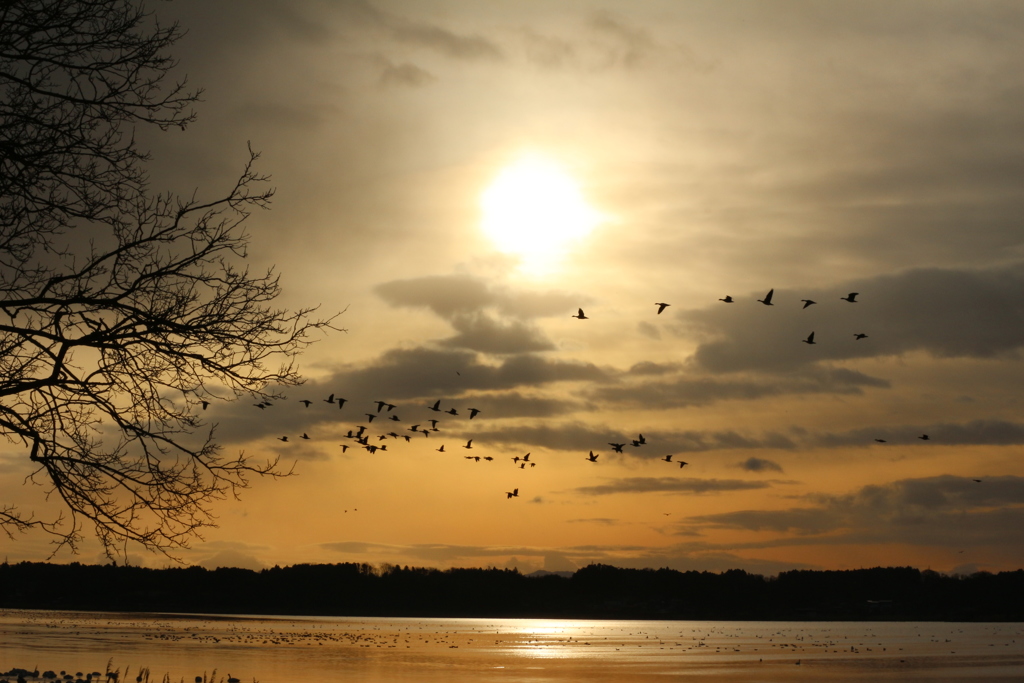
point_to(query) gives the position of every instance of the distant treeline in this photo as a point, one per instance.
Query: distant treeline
(597, 592)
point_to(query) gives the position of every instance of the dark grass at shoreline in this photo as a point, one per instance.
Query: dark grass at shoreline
(594, 592)
(111, 675)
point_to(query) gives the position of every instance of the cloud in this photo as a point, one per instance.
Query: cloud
(669, 485)
(452, 295)
(630, 44)
(948, 313)
(406, 74)
(759, 465)
(946, 511)
(974, 433)
(482, 333)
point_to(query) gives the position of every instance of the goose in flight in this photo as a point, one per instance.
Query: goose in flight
(727, 299)
(617, 447)
(329, 399)
(641, 440)
(682, 464)
(473, 412)
(852, 298)
(433, 425)
(923, 437)
(592, 457)
(514, 493)
(881, 441)
(441, 449)
(341, 402)
(767, 300)
(488, 458)
(436, 407)
(661, 307)
(305, 402)
(206, 404)
(526, 458)
(809, 340)
(808, 302)
(580, 315)
(344, 447)
(304, 436)
(370, 416)
(667, 458)
(860, 335)
(282, 438)
(394, 418)
(469, 444)
(380, 405)
(452, 412)
(261, 405)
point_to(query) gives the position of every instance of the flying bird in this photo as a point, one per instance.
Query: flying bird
(380, 405)
(617, 447)
(282, 438)
(433, 424)
(305, 402)
(667, 458)
(662, 307)
(923, 437)
(808, 302)
(860, 335)
(580, 315)
(341, 402)
(881, 440)
(437, 406)
(441, 449)
(206, 404)
(329, 399)
(852, 298)
(592, 457)
(304, 436)
(514, 493)
(682, 464)
(473, 412)
(767, 300)
(976, 481)
(394, 418)
(344, 447)
(641, 439)
(370, 416)
(727, 299)
(488, 458)
(452, 412)
(261, 406)
(526, 458)
(809, 340)
(469, 444)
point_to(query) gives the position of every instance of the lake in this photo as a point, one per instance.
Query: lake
(384, 650)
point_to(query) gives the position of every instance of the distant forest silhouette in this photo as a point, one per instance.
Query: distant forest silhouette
(597, 592)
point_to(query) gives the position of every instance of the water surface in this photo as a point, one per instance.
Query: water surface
(383, 650)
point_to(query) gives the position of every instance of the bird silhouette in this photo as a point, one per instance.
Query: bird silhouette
(344, 447)
(852, 298)
(206, 404)
(592, 457)
(473, 412)
(809, 340)
(433, 424)
(667, 458)
(261, 406)
(452, 412)
(341, 402)
(526, 458)
(662, 307)
(522, 465)
(282, 438)
(437, 406)
(976, 481)
(860, 335)
(641, 439)
(305, 402)
(394, 418)
(469, 444)
(580, 315)
(441, 449)
(923, 437)
(682, 464)
(727, 299)
(370, 416)
(414, 428)
(881, 440)
(514, 493)
(304, 436)
(767, 300)
(380, 405)
(488, 458)
(808, 302)
(329, 399)
(617, 447)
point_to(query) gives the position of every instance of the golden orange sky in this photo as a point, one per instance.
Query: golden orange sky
(461, 177)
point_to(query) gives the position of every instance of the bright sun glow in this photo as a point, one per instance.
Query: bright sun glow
(534, 210)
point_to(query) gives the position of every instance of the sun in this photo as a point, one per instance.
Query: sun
(536, 211)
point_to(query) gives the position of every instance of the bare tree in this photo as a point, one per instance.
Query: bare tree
(122, 313)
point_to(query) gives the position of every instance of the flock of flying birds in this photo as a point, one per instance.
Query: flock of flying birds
(362, 437)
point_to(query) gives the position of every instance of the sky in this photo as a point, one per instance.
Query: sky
(459, 178)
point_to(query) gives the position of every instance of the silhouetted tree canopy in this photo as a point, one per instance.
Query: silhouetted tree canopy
(121, 310)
